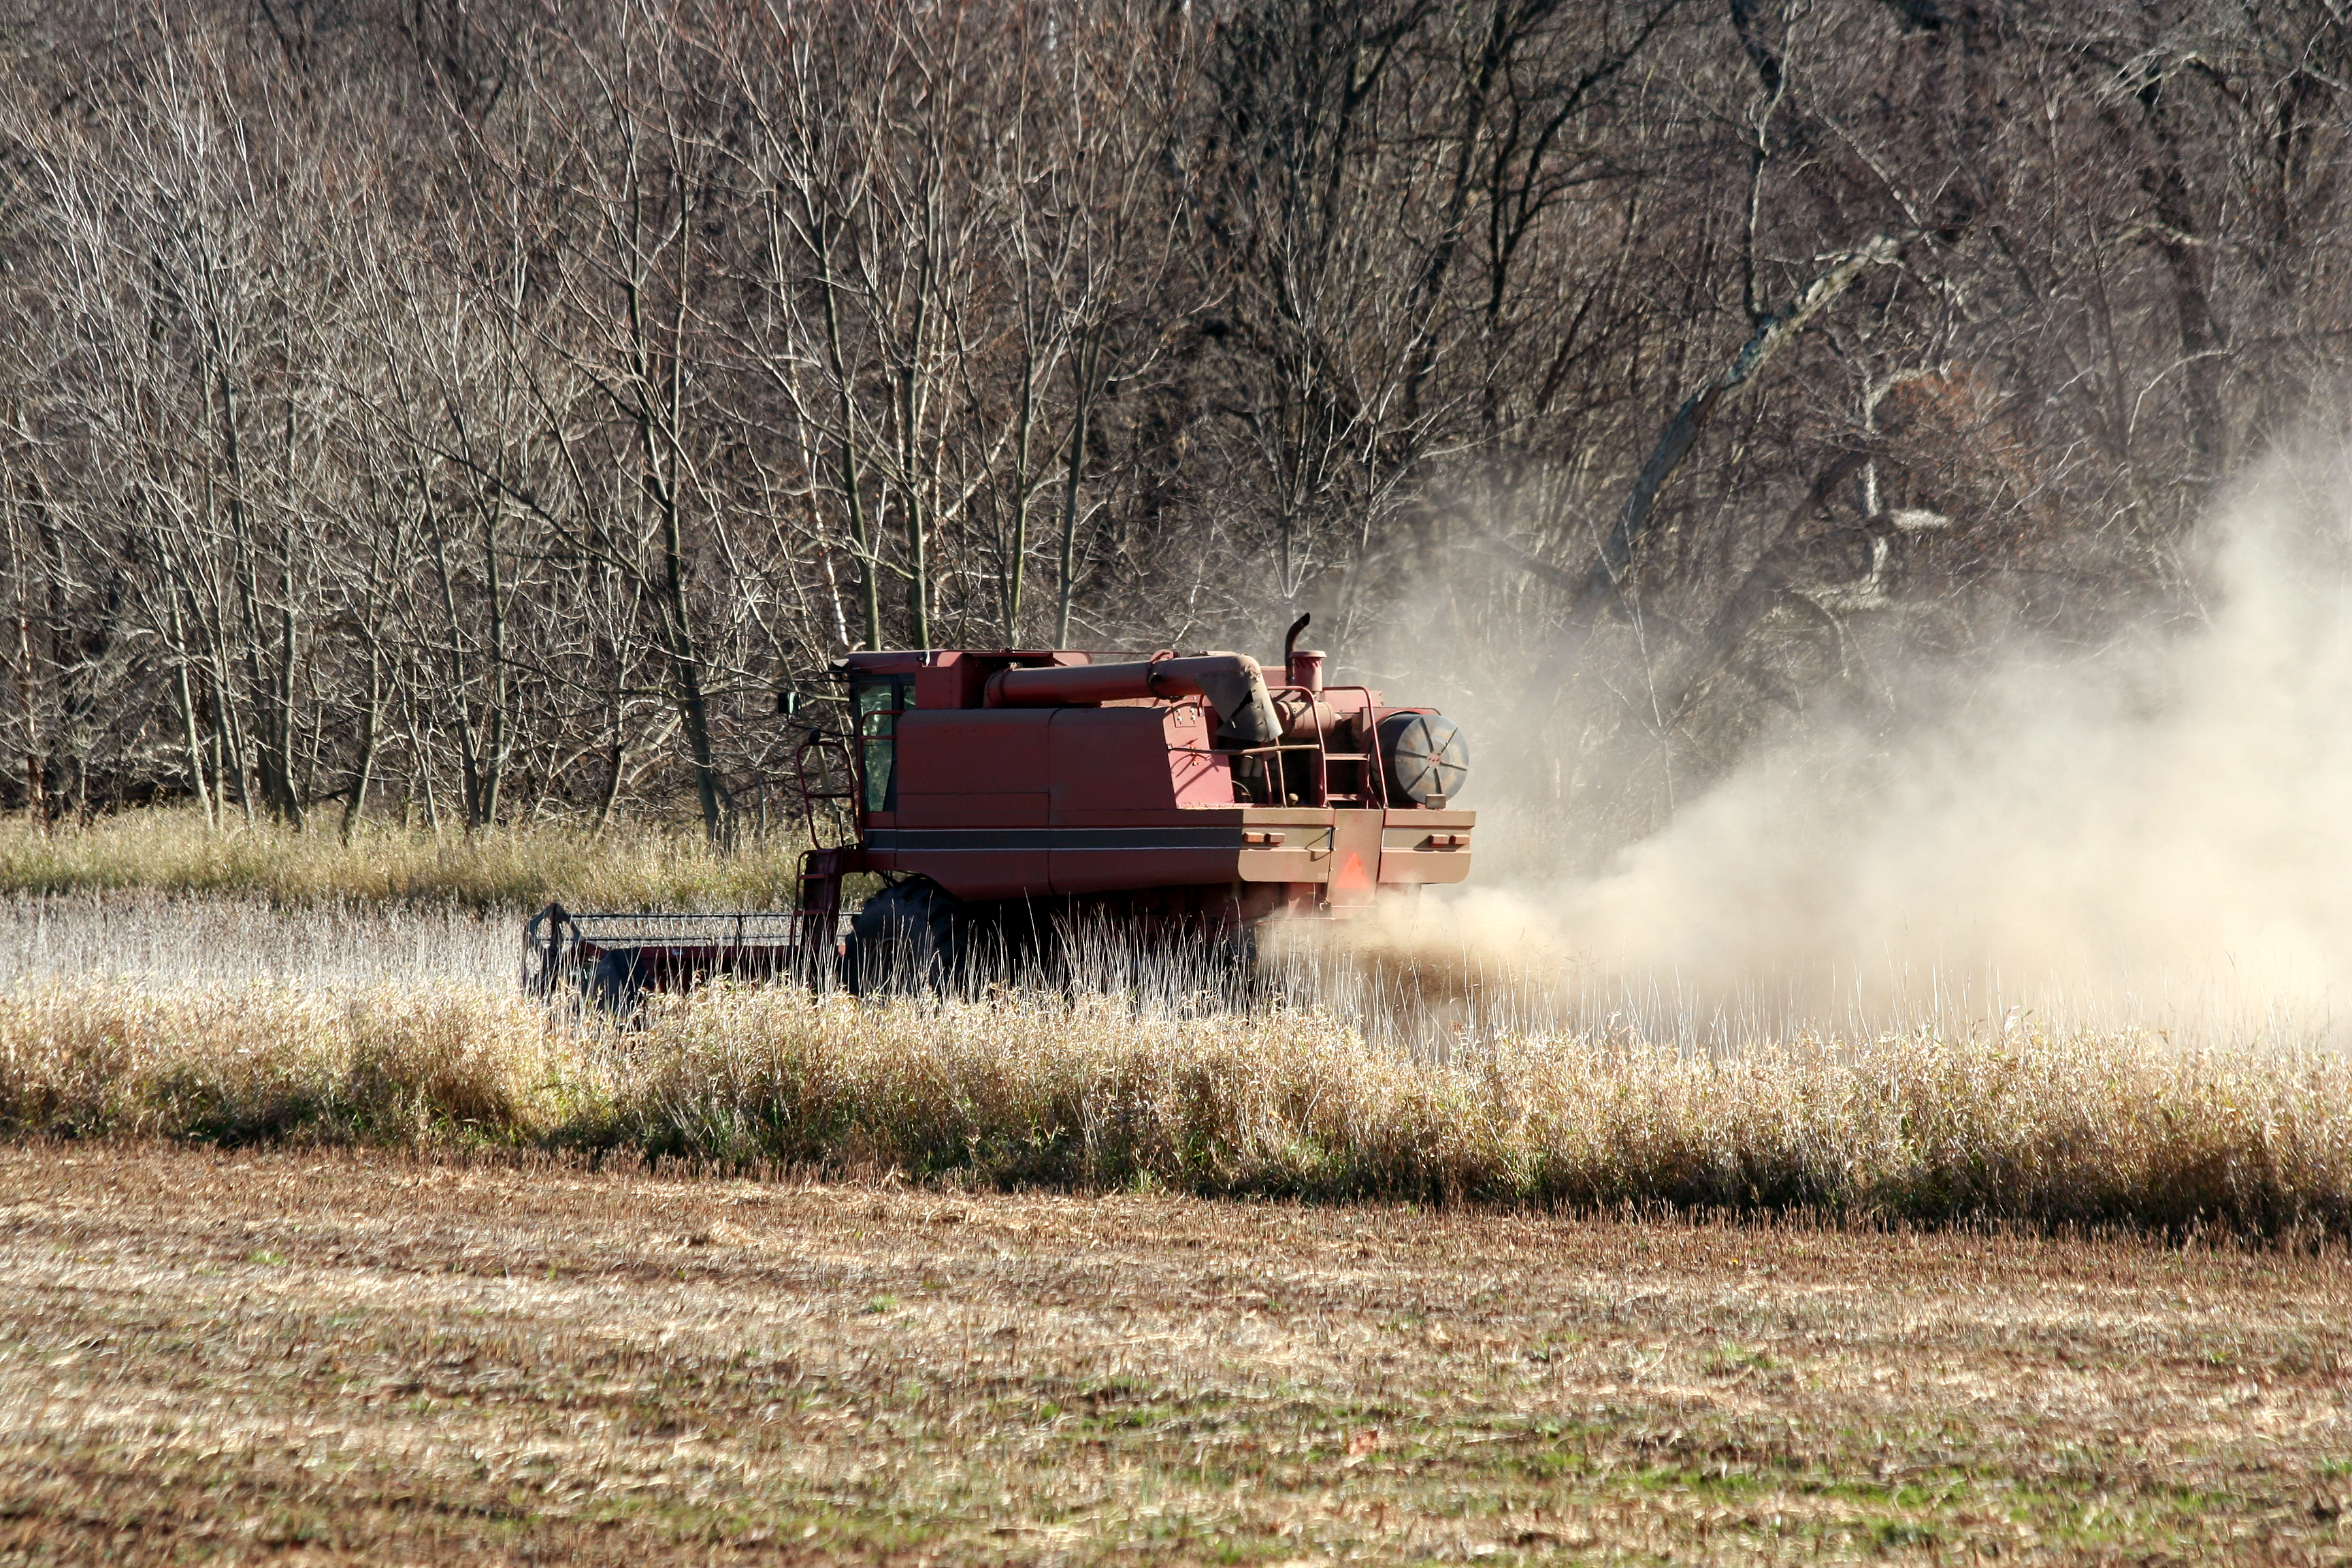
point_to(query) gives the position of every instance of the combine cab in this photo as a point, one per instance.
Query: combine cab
(1002, 794)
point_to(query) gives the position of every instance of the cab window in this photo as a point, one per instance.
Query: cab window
(879, 702)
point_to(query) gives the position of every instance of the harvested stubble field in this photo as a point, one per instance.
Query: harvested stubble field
(350, 1356)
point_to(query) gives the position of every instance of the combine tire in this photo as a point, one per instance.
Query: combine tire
(1235, 956)
(617, 986)
(912, 937)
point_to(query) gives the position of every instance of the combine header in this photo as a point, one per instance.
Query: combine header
(1002, 794)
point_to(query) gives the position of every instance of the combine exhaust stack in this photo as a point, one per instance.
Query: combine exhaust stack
(1001, 793)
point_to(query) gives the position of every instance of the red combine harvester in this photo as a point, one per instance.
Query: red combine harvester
(1002, 794)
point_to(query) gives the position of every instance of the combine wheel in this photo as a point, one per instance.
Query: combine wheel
(617, 985)
(914, 936)
(1234, 968)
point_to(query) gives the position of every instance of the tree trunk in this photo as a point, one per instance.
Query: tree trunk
(364, 775)
(1082, 371)
(1604, 584)
(185, 690)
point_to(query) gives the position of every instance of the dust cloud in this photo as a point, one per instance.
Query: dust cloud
(2153, 835)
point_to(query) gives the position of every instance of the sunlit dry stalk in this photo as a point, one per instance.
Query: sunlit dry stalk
(241, 1065)
(172, 851)
(1096, 1092)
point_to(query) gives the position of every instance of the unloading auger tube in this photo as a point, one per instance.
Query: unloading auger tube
(1233, 683)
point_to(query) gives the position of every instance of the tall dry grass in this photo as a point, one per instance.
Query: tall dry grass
(1097, 1093)
(172, 851)
(258, 1063)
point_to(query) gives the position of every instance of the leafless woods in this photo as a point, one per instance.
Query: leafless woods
(472, 411)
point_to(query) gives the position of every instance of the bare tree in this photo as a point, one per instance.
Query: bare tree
(672, 348)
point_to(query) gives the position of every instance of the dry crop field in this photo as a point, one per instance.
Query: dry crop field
(170, 850)
(318, 1357)
(319, 1243)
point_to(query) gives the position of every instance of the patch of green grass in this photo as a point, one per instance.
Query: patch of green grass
(1887, 1534)
(830, 1530)
(1731, 1361)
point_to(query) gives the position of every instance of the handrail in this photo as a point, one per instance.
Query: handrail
(1376, 787)
(549, 954)
(820, 741)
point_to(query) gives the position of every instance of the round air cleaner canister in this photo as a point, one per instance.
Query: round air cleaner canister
(1428, 759)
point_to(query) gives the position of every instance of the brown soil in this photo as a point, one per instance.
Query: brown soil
(316, 1358)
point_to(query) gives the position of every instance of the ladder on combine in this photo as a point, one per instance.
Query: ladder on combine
(1371, 790)
(823, 866)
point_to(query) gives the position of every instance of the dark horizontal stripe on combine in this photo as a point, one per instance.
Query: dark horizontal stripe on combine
(902, 839)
